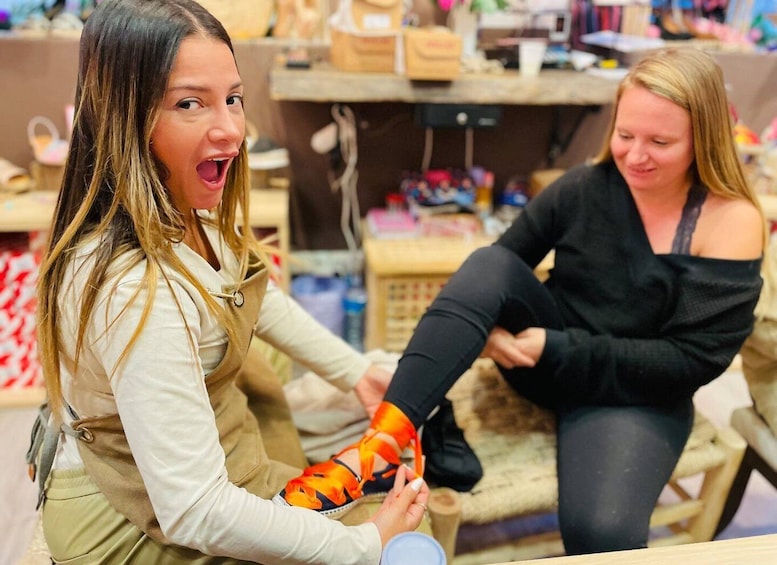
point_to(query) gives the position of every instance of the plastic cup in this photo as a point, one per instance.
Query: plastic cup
(413, 548)
(531, 53)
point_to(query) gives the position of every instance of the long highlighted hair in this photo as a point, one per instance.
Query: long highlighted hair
(691, 79)
(113, 189)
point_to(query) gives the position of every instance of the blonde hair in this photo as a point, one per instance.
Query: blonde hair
(691, 79)
(113, 189)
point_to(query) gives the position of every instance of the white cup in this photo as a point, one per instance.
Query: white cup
(531, 52)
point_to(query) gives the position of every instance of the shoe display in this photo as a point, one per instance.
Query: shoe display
(332, 488)
(13, 179)
(264, 154)
(450, 461)
(671, 29)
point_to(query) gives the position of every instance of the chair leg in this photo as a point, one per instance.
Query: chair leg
(769, 472)
(445, 511)
(737, 491)
(717, 484)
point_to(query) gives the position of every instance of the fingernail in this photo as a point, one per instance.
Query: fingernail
(416, 484)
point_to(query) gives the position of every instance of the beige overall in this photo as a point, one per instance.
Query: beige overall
(102, 513)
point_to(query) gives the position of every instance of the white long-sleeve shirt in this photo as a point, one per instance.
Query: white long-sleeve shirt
(159, 391)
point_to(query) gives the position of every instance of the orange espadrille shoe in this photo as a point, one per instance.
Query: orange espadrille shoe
(332, 488)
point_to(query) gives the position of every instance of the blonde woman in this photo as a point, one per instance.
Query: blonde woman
(658, 248)
(149, 296)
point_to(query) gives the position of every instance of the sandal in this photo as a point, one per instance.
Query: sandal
(13, 178)
(48, 148)
(332, 488)
(35, 25)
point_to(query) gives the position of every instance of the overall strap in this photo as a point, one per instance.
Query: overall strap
(44, 439)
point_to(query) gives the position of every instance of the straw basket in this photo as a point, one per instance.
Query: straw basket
(243, 19)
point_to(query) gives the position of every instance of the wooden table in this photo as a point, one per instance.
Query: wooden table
(756, 550)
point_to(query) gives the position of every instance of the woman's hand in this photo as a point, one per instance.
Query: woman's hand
(404, 507)
(520, 350)
(371, 388)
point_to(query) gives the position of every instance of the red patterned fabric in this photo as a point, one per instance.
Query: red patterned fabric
(19, 365)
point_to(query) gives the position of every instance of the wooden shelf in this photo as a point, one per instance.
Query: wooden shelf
(22, 398)
(324, 83)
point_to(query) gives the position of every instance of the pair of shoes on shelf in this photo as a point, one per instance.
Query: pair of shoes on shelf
(63, 24)
(670, 29)
(264, 155)
(332, 488)
(13, 179)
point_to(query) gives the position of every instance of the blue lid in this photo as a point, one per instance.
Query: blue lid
(413, 548)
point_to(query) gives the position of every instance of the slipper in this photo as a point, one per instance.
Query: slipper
(67, 25)
(48, 148)
(13, 178)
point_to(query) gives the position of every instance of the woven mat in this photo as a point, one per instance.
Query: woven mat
(516, 443)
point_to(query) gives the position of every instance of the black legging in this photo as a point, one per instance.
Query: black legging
(613, 462)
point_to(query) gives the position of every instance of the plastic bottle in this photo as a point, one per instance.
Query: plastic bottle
(355, 304)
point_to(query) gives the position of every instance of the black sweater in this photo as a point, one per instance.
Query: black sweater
(641, 328)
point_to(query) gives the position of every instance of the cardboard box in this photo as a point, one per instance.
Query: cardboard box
(432, 53)
(377, 15)
(363, 52)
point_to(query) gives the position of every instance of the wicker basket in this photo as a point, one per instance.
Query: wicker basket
(403, 277)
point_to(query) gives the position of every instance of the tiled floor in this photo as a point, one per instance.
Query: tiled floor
(18, 494)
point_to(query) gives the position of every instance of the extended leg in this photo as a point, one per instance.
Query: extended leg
(492, 286)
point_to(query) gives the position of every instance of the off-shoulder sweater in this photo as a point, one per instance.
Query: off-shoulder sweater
(641, 328)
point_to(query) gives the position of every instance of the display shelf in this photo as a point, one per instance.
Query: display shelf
(22, 397)
(324, 83)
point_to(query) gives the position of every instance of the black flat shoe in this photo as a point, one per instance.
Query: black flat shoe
(450, 461)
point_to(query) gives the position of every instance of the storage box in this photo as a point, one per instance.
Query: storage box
(243, 19)
(363, 52)
(377, 15)
(432, 53)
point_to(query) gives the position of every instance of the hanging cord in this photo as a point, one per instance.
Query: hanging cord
(469, 148)
(428, 146)
(349, 216)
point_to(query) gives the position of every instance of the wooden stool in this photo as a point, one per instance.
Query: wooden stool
(516, 443)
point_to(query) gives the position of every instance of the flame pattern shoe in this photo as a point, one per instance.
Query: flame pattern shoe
(332, 488)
